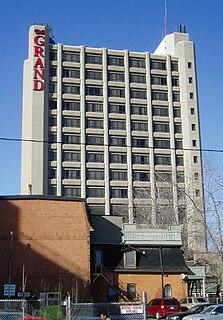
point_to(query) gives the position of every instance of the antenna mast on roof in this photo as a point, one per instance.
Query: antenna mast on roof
(165, 18)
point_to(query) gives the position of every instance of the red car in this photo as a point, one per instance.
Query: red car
(162, 307)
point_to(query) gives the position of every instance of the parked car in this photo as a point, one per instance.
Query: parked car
(195, 309)
(192, 301)
(162, 307)
(214, 312)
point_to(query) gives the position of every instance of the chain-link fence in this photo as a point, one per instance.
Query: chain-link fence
(115, 310)
(24, 309)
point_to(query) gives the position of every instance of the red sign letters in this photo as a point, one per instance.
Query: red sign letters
(38, 68)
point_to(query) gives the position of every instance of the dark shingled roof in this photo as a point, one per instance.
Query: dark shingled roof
(149, 260)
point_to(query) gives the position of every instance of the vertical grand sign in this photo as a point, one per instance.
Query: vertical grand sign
(39, 53)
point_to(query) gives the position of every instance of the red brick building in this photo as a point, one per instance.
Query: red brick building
(50, 236)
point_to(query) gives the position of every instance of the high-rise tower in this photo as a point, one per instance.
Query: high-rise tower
(118, 128)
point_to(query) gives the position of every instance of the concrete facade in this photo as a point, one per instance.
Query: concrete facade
(106, 125)
(50, 237)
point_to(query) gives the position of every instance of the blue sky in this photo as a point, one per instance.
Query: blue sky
(136, 25)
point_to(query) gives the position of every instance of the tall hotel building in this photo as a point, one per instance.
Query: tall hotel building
(118, 128)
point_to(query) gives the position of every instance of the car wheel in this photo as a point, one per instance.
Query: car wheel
(158, 315)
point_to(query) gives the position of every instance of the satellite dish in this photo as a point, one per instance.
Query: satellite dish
(182, 276)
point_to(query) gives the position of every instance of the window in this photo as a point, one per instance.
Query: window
(94, 107)
(175, 82)
(174, 66)
(71, 156)
(178, 144)
(96, 192)
(167, 291)
(160, 111)
(177, 128)
(71, 122)
(161, 127)
(68, 89)
(161, 81)
(94, 123)
(140, 159)
(194, 143)
(141, 176)
(53, 55)
(71, 138)
(182, 214)
(131, 291)
(130, 259)
(138, 110)
(94, 91)
(71, 73)
(118, 158)
(137, 78)
(120, 142)
(161, 176)
(117, 125)
(52, 155)
(52, 138)
(158, 65)
(162, 96)
(71, 105)
(71, 57)
(52, 190)
(179, 160)
(192, 111)
(137, 94)
(197, 192)
(52, 72)
(52, 104)
(140, 143)
(52, 173)
(116, 76)
(113, 92)
(95, 157)
(193, 126)
(189, 64)
(176, 97)
(190, 80)
(119, 175)
(95, 175)
(93, 75)
(196, 176)
(195, 159)
(112, 294)
(93, 58)
(119, 193)
(162, 160)
(136, 63)
(139, 126)
(191, 95)
(177, 112)
(52, 121)
(71, 192)
(180, 177)
(98, 258)
(95, 140)
(52, 88)
(71, 174)
(116, 108)
(162, 143)
(115, 61)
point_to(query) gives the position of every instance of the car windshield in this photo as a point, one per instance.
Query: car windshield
(201, 300)
(194, 309)
(208, 309)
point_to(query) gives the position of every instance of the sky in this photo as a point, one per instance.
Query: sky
(135, 25)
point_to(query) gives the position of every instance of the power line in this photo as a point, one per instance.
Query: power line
(107, 145)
